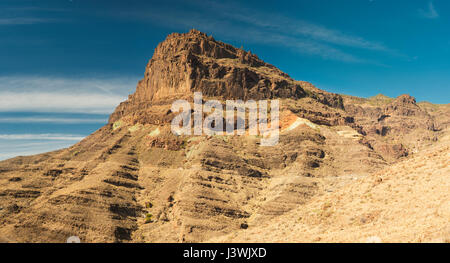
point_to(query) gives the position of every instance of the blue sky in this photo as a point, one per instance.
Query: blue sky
(65, 65)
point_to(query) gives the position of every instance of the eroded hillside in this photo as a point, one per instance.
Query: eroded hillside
(406, 202)
(133, 180)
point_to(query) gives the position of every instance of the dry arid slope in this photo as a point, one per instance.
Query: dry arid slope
(133, 180)
(406, 202)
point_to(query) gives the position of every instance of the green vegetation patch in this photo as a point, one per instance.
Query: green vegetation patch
(155, 132)
(117, 125)
(134, 128)
(148, 218)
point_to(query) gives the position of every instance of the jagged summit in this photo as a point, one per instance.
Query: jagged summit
(199, 43)
(406, 99)
(193, 61)
(405, 105)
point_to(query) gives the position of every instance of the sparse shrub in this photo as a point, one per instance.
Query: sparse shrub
(148, 218)
(117, 125)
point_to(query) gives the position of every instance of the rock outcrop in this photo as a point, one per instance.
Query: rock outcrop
(184, 63)
(133, 180)
(393, 127)
(194, 61)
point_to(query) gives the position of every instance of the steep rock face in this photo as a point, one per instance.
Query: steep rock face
(194, 61)
(393, 127)
(190, 62)
(439, 112)
(406, 106)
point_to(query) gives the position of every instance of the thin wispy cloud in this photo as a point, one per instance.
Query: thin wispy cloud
(326, 39)
(252, 34)
(10, 148)
(28, 15)
(58, 102)
(52, 120)
(44, 94)
(239, 23)
(299, 46)
(22, 21)
(294, 27)
(102, 84)
(12, 154)
(24, 9)
(48, 136)
(430, 12)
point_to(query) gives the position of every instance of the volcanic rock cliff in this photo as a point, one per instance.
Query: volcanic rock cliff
(190, 62)
(133, 180)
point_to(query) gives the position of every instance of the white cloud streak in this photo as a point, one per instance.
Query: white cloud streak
(22, 21)
(255, 34)
(13, 148)
(301, 46)
(48, 136)
(58, 102)
(51, 120)
(305, 29)
(239, 23)
(8, 155)
(430, 12)
(44, 94)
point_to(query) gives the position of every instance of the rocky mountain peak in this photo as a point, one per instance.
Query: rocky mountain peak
(194, 61)
(198, 43)
(405, 99)
(404, 105)
(188, 62)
